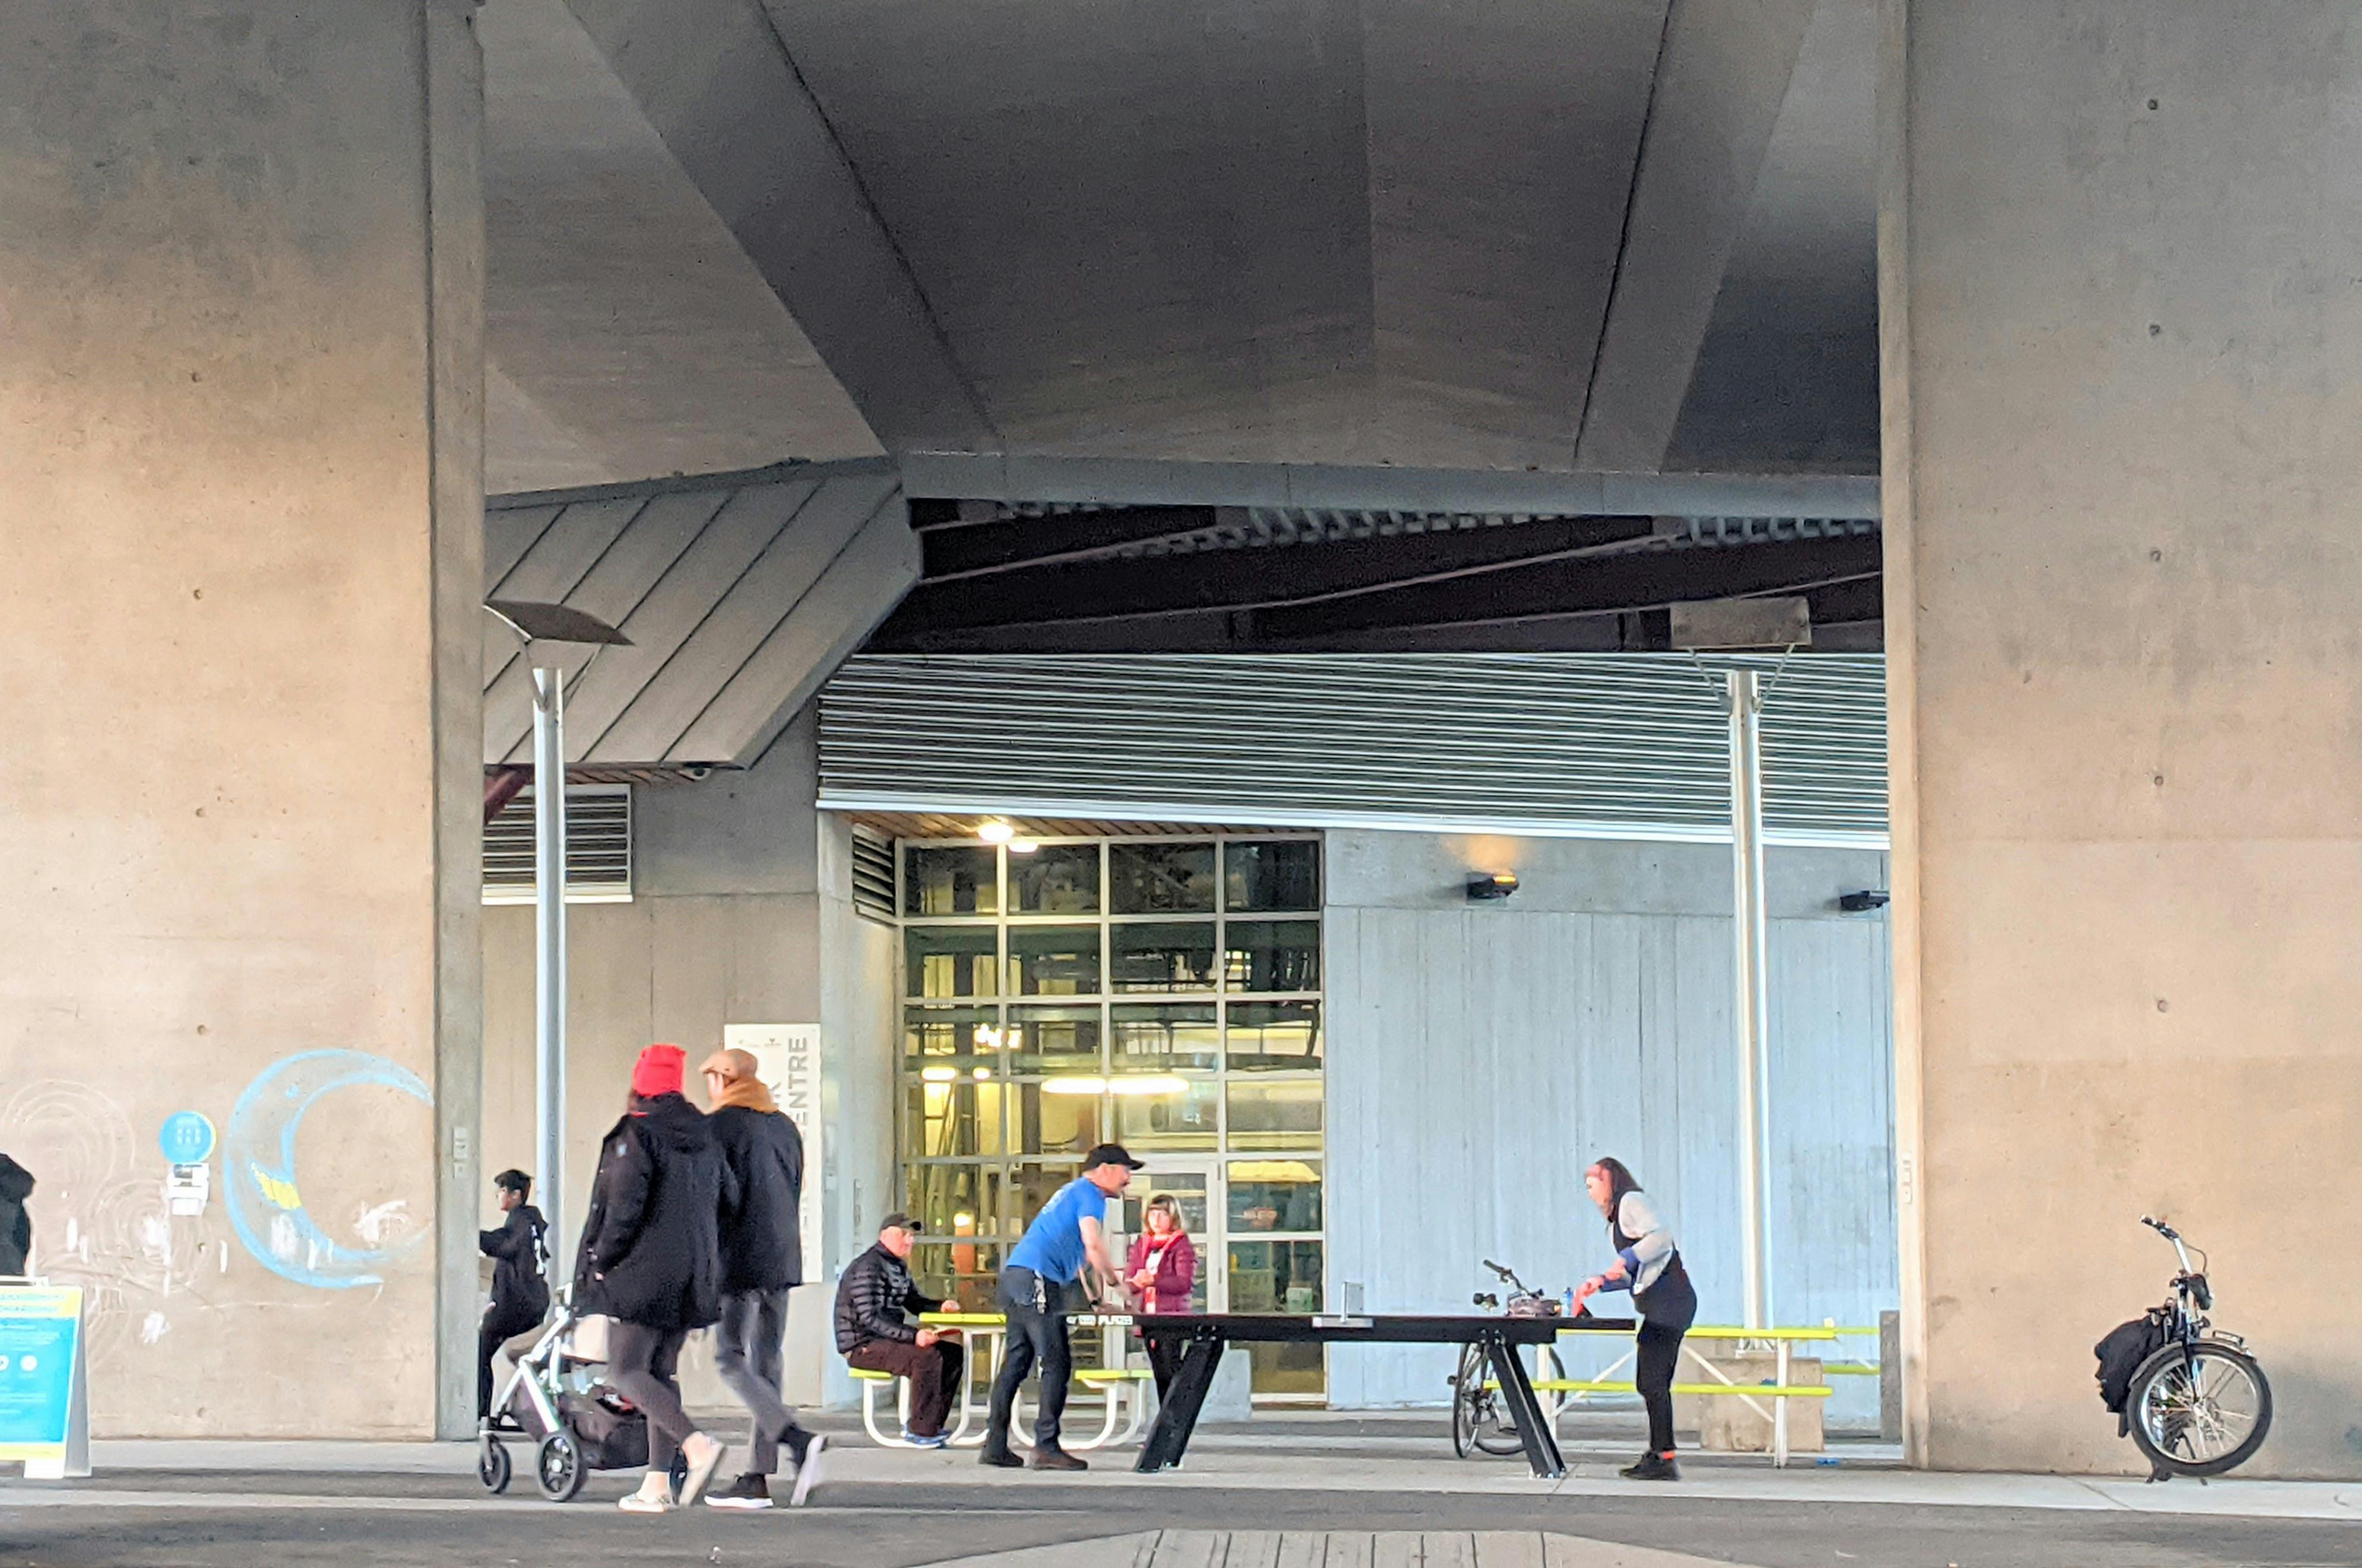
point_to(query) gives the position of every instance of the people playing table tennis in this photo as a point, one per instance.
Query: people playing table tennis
(1069, 1236)
(1650, 1266)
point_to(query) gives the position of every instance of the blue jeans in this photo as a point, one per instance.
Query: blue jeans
(1037, 1331)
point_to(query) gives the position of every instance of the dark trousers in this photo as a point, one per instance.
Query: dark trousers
(1165, 1354)
(934, 1369)
(641, 1361)
(502, 1322)
(1037, 1333)
(749, 1353)
(1667, 1310)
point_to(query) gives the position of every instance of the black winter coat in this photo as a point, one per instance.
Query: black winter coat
(762, 1243)
(651, 1241)
(16, 1225)
(874, 1299)
(518, 1288)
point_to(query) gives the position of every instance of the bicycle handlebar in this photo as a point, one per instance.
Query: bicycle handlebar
(2161, 1228)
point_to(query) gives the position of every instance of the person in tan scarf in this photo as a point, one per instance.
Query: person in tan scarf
(762, 1260)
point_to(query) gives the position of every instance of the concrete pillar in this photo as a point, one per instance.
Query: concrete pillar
(2120, 245)
(241, 280)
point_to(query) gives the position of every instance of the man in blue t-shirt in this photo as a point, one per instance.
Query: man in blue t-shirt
(1068, 1234)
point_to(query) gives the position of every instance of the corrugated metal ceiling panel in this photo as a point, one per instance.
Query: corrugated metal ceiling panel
(1567, 744)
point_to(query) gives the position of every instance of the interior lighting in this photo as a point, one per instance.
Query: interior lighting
(1074, 1083)
(963, 1221)
(1154, 1083)
(995, 832)
(938, 1075)
(987, 1037)
(982, 1074)
(1022, 846)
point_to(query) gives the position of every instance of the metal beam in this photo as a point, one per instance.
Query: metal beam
(1647, 581)
(965, 549)
(718, 84)
(1111, 481)
(1250, 578)
(1721, 78)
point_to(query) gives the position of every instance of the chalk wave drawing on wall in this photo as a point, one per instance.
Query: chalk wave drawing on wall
(265, 1194)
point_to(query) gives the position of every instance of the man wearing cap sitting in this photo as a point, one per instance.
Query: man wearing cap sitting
(1068, 1235)
(875, 1302)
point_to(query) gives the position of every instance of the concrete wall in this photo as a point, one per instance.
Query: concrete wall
(1482, 1056)
(740, 915)
(2124, 549)
(242, 531)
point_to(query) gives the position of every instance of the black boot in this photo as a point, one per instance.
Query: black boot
(1652, 1467)
(1000, 1458)
(1054, 1458)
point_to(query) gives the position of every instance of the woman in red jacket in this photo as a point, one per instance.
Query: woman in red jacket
(1162, 1271)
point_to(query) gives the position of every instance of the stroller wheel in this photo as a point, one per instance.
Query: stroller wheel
(492, 1465)
(559, 1467)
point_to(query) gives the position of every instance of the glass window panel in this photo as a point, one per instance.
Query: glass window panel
(1276, 874)
(1053, 960)
(1054, 1040)
(1174, 956)
(960, 1037)
(963, 1274)
(1268, 1037)
(1173, 1035)
(1057, 879)
(1188, 1190)
(1275, 1276)
(1160, 878)
(955, 879)
(952, 960)
(960, 1118)
(1049, 1123)
(1034, 1184)
(1274, 1113)
(1287, 1369)
(1272, 956)
(1186, 1117)
(1273, 1195)
(940, 1196)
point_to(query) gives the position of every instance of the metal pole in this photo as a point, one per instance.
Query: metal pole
(1746, 704)
(549, 951)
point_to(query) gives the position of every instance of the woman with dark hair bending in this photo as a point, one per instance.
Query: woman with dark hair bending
(1650, 1266)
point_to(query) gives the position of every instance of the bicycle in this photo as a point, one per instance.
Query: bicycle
(1480, 1417)
(2200, 1405)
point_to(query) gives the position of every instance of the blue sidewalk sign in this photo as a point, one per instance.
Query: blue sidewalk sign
(44, 1401)
(187, 1138)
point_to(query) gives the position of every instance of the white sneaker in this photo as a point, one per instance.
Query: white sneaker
(808, 1470)
(655, 1497)
(705, 1456)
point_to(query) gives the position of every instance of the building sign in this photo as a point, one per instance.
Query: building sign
(788, 1063)
(44, 1398)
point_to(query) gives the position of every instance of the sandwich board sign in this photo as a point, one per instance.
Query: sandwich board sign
(44, 1385)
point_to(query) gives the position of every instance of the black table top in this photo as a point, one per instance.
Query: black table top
(1365, 1328)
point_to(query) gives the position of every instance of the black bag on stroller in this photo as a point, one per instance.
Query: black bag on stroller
(608, 1431)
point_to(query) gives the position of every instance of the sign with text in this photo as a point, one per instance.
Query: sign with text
(44, 1399)
(789, 1054)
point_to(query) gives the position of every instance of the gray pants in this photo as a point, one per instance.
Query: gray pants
(641, 1363)
(749, 1349)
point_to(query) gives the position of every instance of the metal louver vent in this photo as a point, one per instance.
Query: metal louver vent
(873, 875)
(1568, 745)
(598, 847)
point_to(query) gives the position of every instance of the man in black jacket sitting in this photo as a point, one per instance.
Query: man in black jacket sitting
(762, 1260)
(874, 1332)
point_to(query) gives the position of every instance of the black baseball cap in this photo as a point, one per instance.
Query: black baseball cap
(1110, 1154)
(898, 1221)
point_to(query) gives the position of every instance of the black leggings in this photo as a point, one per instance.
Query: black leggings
(1659, 1353)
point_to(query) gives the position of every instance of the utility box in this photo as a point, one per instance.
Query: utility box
(1728, 1424)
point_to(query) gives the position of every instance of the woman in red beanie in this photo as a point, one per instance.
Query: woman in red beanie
(651, 1260)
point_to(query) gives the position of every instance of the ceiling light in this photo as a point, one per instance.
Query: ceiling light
(1154, 1082)
(995, 832)
(1022, 846)
(938, 1075)
(982, 1074)
(963, 1221)
(1074, 1083)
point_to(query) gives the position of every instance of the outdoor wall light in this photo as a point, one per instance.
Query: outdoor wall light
(995, 832)
(1492, 885)
(1862, 902)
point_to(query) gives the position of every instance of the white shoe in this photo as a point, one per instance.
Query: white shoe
(655, 1497)
(808, 1470)
(706, 1456)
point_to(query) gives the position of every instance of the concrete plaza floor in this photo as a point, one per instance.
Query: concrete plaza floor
(1303, 1493)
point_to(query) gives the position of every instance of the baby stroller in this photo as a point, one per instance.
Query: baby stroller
(573, 1430)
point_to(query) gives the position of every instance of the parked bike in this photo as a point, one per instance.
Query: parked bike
(1480, 1417)
(2192, 1396)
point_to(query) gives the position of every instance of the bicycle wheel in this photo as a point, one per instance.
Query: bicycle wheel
(2199, 1411)
(1496, 1428)
(1470, 1401)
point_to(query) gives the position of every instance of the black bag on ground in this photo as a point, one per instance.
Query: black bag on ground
(611, 1434)
(2121, 1354)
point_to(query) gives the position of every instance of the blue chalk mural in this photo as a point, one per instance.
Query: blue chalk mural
(265, 1192)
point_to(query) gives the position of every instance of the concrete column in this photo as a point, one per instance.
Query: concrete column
(2123, 517)
(241, 281)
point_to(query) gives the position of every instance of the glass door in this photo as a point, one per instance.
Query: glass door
(1196, 1187)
